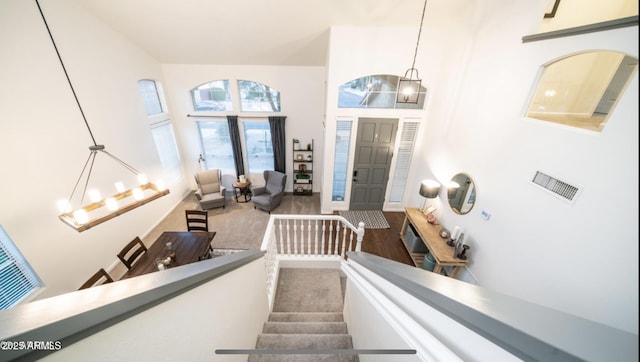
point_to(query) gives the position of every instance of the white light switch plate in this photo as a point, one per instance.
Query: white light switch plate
(486, 214)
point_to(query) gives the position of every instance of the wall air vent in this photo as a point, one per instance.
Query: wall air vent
(559, 188)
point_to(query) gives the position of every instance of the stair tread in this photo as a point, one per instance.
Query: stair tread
(304, 327)
(304, 341)
(304, 357)
(306, 317)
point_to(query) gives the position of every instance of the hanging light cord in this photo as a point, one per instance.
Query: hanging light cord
(413, 65)
(66, 74)
(96, 147)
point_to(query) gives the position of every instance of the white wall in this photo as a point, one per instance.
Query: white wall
(301, 90)
(535, 246)
(44, 142)
(225, 313)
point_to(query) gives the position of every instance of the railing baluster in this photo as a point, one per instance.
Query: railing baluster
(295, 237)
(360, 236)
(302, 239)
(309, 236)
(280, 237)
(316, 237)
(323, 238)
(288, 238)
(337, 237)
(344, 240)
(329, 247)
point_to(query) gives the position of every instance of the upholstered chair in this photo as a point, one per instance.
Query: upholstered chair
(269, 196)
(210, 193)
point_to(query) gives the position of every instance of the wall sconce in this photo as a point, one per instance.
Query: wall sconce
(429, 189)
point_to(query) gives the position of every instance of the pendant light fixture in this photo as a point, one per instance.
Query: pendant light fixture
(99, 210)
(409, 87)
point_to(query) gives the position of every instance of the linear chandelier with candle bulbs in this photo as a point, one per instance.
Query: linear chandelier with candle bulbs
(99, 210)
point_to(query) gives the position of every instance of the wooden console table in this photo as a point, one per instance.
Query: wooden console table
(430, 235)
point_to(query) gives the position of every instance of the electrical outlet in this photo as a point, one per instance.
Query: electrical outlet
(486, 214)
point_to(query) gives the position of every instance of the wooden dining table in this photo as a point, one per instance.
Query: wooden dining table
(189, 247)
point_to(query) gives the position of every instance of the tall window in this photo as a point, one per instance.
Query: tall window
(212, 96)
(256, 146)
(161, 129)
(17, 279)
(258, 97)
(257, 143)
(216, 145)
(341, 160)
(150, 97)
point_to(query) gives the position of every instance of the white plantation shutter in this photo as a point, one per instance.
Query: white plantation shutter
(17, 279)
(403, 160)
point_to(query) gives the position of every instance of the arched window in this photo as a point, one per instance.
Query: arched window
(375, 91)
(212, 96)
(258, 97)
(581, 90)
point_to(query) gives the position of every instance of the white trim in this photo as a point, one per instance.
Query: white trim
(428, 347)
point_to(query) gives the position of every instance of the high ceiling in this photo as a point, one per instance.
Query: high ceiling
(244, 32)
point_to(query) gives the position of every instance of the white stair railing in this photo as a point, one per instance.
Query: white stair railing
(319, 237)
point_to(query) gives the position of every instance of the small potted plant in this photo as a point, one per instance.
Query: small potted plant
(296, 144)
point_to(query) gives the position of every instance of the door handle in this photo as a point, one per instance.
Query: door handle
(355, 179)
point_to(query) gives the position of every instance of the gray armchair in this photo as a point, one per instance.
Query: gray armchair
(210, 193)
(269, 196)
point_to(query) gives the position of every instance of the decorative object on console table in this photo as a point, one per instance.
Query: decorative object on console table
(454, 236)
(442, 253)
(429, 190)
(302, 168)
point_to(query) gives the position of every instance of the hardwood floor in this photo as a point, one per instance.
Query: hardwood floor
(386, 243)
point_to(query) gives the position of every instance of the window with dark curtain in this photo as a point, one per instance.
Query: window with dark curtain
(276, 124)
(234, 132)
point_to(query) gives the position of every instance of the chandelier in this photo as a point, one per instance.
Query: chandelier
(408, 87)
(99, 209)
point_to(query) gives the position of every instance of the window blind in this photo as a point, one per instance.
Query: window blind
(403, 160)
(17, 279)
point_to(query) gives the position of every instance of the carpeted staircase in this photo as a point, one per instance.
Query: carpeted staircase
(307, 315)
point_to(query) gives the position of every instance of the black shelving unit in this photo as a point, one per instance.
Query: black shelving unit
(303, 168)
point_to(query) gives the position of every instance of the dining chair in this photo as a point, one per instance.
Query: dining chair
(131, 253)
(95, 278)
(197, 220)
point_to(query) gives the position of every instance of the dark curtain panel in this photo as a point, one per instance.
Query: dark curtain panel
(278, 141)
(234, 132)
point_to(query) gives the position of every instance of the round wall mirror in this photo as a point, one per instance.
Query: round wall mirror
(461, 193)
